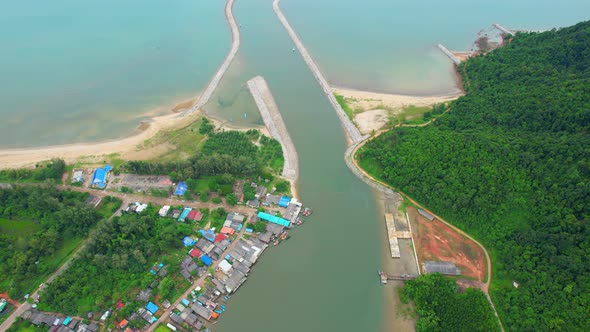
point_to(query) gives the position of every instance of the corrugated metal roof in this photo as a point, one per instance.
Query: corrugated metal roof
(274, 219)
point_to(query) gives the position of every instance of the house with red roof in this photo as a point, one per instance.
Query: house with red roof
(195, 215)
(195, 253)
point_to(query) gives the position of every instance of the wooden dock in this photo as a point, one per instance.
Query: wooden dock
(385, 277)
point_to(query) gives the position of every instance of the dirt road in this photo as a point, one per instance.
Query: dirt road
(26, 305)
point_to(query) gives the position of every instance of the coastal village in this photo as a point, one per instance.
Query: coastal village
(216, 263)
(218, 255)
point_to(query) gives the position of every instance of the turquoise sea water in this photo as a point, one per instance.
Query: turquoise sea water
(74, 71)
(388, 45)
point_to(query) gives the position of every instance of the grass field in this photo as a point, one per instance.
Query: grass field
(162, 328)
(345, 106)
(183, 142)
(47, 265)
(52, 263)
(18, 228)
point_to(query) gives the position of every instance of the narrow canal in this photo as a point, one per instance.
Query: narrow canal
(323, 278)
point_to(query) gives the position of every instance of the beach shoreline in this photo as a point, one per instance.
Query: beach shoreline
(394, 100)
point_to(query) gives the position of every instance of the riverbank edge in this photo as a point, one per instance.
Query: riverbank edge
(351, 162)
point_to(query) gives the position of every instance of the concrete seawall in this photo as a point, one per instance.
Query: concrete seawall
(235, 46)
(449, 54)
(351, 130)
(275, 124)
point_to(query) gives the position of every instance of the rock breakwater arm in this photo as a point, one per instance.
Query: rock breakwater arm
(276, 126)
(235, 46)
(351, 130)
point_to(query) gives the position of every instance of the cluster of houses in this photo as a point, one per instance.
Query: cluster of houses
(209, 247)
(208, 250)
(146, 314)
(181, 214)
(99, 176)
(231, 272)
(59, 323)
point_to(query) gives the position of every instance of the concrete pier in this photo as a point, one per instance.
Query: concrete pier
(503, 29)
(449, 54)
(394, 235)
(276, 126)
(351, 130)
(235, 45)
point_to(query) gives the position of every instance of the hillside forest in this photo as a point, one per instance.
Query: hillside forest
(510, 164)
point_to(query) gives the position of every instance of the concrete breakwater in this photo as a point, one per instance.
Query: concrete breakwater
(351, 130)
(348, 155)
(276, 126)
(235, 46)
(449, 54)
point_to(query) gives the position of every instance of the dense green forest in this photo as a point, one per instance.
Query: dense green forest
(38, 228)
(116, 263)
(52, 170)
(510, 163)
(227, 152)
(441, 307)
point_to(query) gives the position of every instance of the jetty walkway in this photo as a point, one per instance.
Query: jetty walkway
(276, 126)
(235, 46)
(351, 130)
(449, 54)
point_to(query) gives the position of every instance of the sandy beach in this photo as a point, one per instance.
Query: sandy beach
(367, 100)
(28, 157)
(375, 109)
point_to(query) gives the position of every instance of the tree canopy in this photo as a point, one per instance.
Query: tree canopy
(441, 307)
(227, 152)
(510, 163)
(36, 223)
(115, 264)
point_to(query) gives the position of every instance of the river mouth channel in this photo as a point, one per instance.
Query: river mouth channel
(325, 277)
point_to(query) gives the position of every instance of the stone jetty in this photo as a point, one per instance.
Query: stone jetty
(276, 126)
(235, 46)
(351, 130)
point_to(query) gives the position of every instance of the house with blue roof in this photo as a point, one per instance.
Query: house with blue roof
(274, 219)
(207, 260)
(188, 241)
(99, 178)
(151, 307)
(284, 201)
(180, 188)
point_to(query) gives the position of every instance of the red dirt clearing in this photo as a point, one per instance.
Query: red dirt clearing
(437, 242)
(9, 300)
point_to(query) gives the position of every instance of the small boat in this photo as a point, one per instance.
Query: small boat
(293, 49)
(276, 243)
(307, 212)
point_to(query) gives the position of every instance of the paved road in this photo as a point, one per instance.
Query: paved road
(198, 282)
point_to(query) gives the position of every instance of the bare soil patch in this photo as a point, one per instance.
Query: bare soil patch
(436, 241)
(371, 120)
